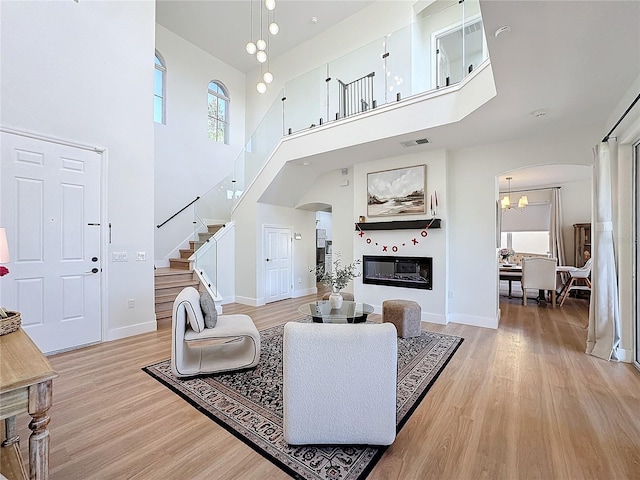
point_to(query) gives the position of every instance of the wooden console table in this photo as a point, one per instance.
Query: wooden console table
(26, 385)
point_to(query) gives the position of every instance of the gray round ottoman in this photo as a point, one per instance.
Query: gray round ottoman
(405, 315)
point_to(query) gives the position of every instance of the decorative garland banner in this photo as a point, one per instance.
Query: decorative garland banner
(394, 248)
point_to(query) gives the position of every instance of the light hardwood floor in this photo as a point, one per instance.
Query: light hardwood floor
(519, 402)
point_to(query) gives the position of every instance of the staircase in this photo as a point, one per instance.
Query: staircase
(183, 263)
(169, 282)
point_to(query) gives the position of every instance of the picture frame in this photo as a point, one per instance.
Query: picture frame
(399, 191)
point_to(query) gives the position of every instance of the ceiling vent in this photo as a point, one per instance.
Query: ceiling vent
(413, 143)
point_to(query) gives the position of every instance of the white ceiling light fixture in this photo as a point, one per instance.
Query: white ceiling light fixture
(505, 203)
(501, 30)
(540, 112)
(262, 46)
(251, 47)
(267, 76)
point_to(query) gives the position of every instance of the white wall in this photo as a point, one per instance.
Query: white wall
(434, 245)
(472, 208)
(328, 189)
(187, 162)
(576, 208)
(84, 72)
(324, 222)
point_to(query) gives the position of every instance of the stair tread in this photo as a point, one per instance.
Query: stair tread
(164, 271)
(186, 283)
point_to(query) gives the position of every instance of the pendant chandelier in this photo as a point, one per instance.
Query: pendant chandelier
(260, 48)
(505, 203)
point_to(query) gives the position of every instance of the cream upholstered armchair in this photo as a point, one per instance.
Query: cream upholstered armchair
(339, 383)
(539, 274)
(233, 343)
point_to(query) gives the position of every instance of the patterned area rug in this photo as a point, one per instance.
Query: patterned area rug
(249, 404)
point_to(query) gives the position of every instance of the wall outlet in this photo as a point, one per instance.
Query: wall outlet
(119, 256)
(299, 280)
(450, 295)
(132, 303)
(141, 256)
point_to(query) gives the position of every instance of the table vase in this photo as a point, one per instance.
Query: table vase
(335, 300)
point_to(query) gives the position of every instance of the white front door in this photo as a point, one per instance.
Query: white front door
(278, 269)
(50, 207)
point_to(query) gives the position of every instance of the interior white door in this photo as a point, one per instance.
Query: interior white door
(50, 207)
(278, 263)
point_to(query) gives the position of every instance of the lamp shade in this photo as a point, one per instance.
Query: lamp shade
(4, 247)
(523, 202)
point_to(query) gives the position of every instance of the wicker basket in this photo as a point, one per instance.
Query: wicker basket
(11, 323)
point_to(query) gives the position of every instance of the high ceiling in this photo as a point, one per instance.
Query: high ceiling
(223, 27)
(573, 58)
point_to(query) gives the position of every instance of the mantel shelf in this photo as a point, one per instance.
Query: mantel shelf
(401, 225)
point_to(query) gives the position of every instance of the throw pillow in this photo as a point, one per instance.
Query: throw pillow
(189, 299)
(208, 310)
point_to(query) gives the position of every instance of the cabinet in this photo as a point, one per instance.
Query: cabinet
(581, 243)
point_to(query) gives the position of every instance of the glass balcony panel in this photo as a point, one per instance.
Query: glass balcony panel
(206, 263)
(398, 71)
(357, 81)
(263, 141)
(474, 44)
(306, 101)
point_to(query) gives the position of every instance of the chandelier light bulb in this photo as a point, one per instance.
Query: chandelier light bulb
(261, 56)
(274, 28)
(261, 44)
(267, 77)
(270, 4)
(251, 48)
(261, 87)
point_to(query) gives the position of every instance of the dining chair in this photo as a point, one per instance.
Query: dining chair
(581, 273)
(539, 273)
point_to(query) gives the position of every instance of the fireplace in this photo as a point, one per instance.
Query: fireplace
(408, 272)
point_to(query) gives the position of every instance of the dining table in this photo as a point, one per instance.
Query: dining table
(513, 272)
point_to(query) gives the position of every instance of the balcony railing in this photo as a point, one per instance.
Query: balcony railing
(439, 49)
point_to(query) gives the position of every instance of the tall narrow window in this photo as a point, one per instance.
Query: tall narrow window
(218, 112)
(158, 90)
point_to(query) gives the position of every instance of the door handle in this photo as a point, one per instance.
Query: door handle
(267, 259)
(94, 259)
(93, 270)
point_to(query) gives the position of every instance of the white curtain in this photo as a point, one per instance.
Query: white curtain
(603, 337)
(557, 244)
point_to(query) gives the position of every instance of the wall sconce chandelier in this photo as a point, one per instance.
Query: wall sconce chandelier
(260, 48)
(505, 203)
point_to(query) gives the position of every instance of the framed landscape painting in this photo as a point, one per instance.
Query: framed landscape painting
(397, 192)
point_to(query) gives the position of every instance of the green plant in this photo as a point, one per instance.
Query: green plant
(339, 277)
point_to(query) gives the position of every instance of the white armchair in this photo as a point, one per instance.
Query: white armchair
(339, 383)
(234, 342)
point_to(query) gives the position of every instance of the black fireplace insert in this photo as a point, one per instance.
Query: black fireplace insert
(408, 272)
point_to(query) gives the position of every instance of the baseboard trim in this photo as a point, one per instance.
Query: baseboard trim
(131, 330)
(303, 293)
(253, 302)
(474, 321)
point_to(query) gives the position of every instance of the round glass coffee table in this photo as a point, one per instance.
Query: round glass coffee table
(350, 312)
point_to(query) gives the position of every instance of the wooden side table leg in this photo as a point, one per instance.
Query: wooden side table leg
(40, 399)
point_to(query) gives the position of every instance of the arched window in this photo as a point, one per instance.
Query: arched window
(158, 90)
(218, 112)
